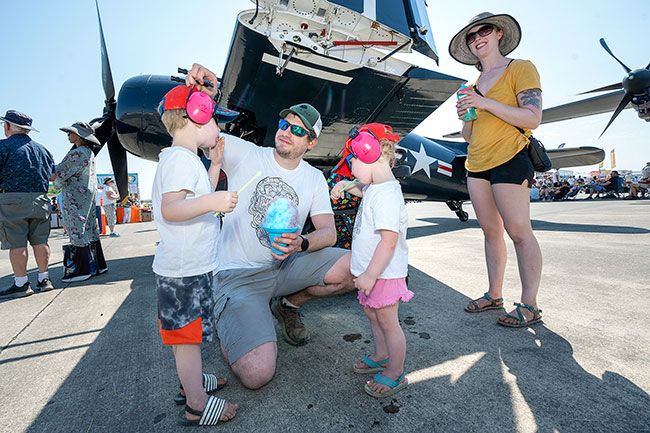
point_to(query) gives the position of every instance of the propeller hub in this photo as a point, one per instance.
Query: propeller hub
(637, 81)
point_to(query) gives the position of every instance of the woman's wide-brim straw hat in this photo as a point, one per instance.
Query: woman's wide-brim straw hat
(459, 50)
(84, 131)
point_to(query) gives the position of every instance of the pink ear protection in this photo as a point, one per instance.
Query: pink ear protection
(200, 107)
(365, 146)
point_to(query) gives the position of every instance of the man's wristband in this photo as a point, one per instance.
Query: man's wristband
(304, 246)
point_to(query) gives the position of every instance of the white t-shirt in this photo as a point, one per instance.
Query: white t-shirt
(243, 242)
(108, 200)
(100, 197)
(382, 208)
(186, 248)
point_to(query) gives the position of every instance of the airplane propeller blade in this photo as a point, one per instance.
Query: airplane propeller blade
(614, 86)
(626, 100)
(604, 45)
(119, 163)
(107, 76)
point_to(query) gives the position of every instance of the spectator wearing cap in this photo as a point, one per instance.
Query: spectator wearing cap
(249, 272)
(110, 196)
(25, 170)
(76, 178)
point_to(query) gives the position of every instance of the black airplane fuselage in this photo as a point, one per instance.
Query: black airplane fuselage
(345, 97)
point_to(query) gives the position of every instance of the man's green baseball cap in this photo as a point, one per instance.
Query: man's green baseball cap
(308, 114)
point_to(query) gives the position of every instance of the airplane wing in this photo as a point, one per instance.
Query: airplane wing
(598, 104)
(576, 156)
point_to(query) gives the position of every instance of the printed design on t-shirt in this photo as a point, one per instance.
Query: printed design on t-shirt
(358, 221)
(267, 190)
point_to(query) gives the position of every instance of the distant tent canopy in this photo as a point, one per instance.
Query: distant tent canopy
(402, 16)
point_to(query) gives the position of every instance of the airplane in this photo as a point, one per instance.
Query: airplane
(338, 55)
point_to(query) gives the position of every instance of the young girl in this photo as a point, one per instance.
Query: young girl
(379, 259)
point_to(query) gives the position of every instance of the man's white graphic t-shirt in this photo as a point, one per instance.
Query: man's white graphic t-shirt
(243, 243)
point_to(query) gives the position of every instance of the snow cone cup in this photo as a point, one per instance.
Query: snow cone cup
(275, 232)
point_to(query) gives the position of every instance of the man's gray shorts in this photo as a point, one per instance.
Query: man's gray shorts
(24, 216)
(244, 319)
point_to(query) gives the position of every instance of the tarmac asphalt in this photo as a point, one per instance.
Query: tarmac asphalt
(88, 357)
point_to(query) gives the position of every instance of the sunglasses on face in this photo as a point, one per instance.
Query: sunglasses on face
(296, 130)
(483, 31)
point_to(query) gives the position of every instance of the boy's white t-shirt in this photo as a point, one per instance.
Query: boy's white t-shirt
(107, 200)
(382, 208)
(243, 243)
(186, 248)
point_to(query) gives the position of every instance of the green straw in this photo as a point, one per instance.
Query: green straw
(258, 174)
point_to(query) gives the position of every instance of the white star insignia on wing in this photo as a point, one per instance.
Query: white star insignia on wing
(422, 161)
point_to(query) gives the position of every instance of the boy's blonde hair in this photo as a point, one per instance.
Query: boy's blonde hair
(388, 151)
(173, 119)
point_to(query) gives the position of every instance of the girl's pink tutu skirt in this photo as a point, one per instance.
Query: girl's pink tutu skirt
(386, 292)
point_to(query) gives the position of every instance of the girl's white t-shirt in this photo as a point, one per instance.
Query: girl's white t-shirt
(382, 208)
(186, 248)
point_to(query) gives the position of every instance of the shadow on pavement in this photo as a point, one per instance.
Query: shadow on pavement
(467, 374)
(447, 225)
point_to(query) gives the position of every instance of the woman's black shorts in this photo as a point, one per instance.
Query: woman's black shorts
(515, 171)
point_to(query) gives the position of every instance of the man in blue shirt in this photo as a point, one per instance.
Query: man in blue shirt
(25, 171)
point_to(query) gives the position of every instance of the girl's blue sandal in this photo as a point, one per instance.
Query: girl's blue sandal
(519, 321)
(373, 366)
(394, 385)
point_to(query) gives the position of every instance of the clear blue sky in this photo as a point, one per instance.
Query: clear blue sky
(51, 60)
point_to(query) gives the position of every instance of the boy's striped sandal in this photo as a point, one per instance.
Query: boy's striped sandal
(394, 385)
(372, 365)
(519, 321)
(210, 415)
(210, 384)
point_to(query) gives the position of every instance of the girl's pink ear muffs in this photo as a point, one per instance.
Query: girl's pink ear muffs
(365, 146)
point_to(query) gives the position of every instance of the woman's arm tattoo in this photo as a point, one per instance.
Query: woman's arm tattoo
(532, 97)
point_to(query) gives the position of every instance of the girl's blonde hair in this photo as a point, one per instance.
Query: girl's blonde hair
(388, 151)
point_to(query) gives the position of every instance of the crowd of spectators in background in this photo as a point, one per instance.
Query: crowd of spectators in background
(555, 188)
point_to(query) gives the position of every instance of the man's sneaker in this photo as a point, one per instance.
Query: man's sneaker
(290, 319)
(114, 235)
(45, 285)
(17, 292)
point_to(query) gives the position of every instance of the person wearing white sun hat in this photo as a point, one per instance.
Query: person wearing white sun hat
(507, 97)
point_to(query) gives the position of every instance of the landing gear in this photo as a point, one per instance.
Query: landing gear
(457, 207)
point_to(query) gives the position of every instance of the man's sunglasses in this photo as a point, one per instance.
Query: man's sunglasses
(296, 130)
(483, 32)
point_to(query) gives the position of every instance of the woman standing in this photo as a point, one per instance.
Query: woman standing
(507, 97)
(76, 177)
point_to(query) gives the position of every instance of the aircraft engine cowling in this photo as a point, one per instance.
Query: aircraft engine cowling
(138, 124)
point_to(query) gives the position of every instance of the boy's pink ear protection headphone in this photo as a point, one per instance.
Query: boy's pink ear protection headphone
(198, 105)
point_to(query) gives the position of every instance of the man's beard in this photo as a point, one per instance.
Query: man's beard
(289, 154)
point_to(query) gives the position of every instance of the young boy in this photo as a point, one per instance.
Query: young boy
(184, 203)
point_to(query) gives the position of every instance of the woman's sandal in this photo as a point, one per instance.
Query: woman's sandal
(495, 304)
(210, 384)
(373, 366)
(394, 385)
(521, 321)
(210, 415)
